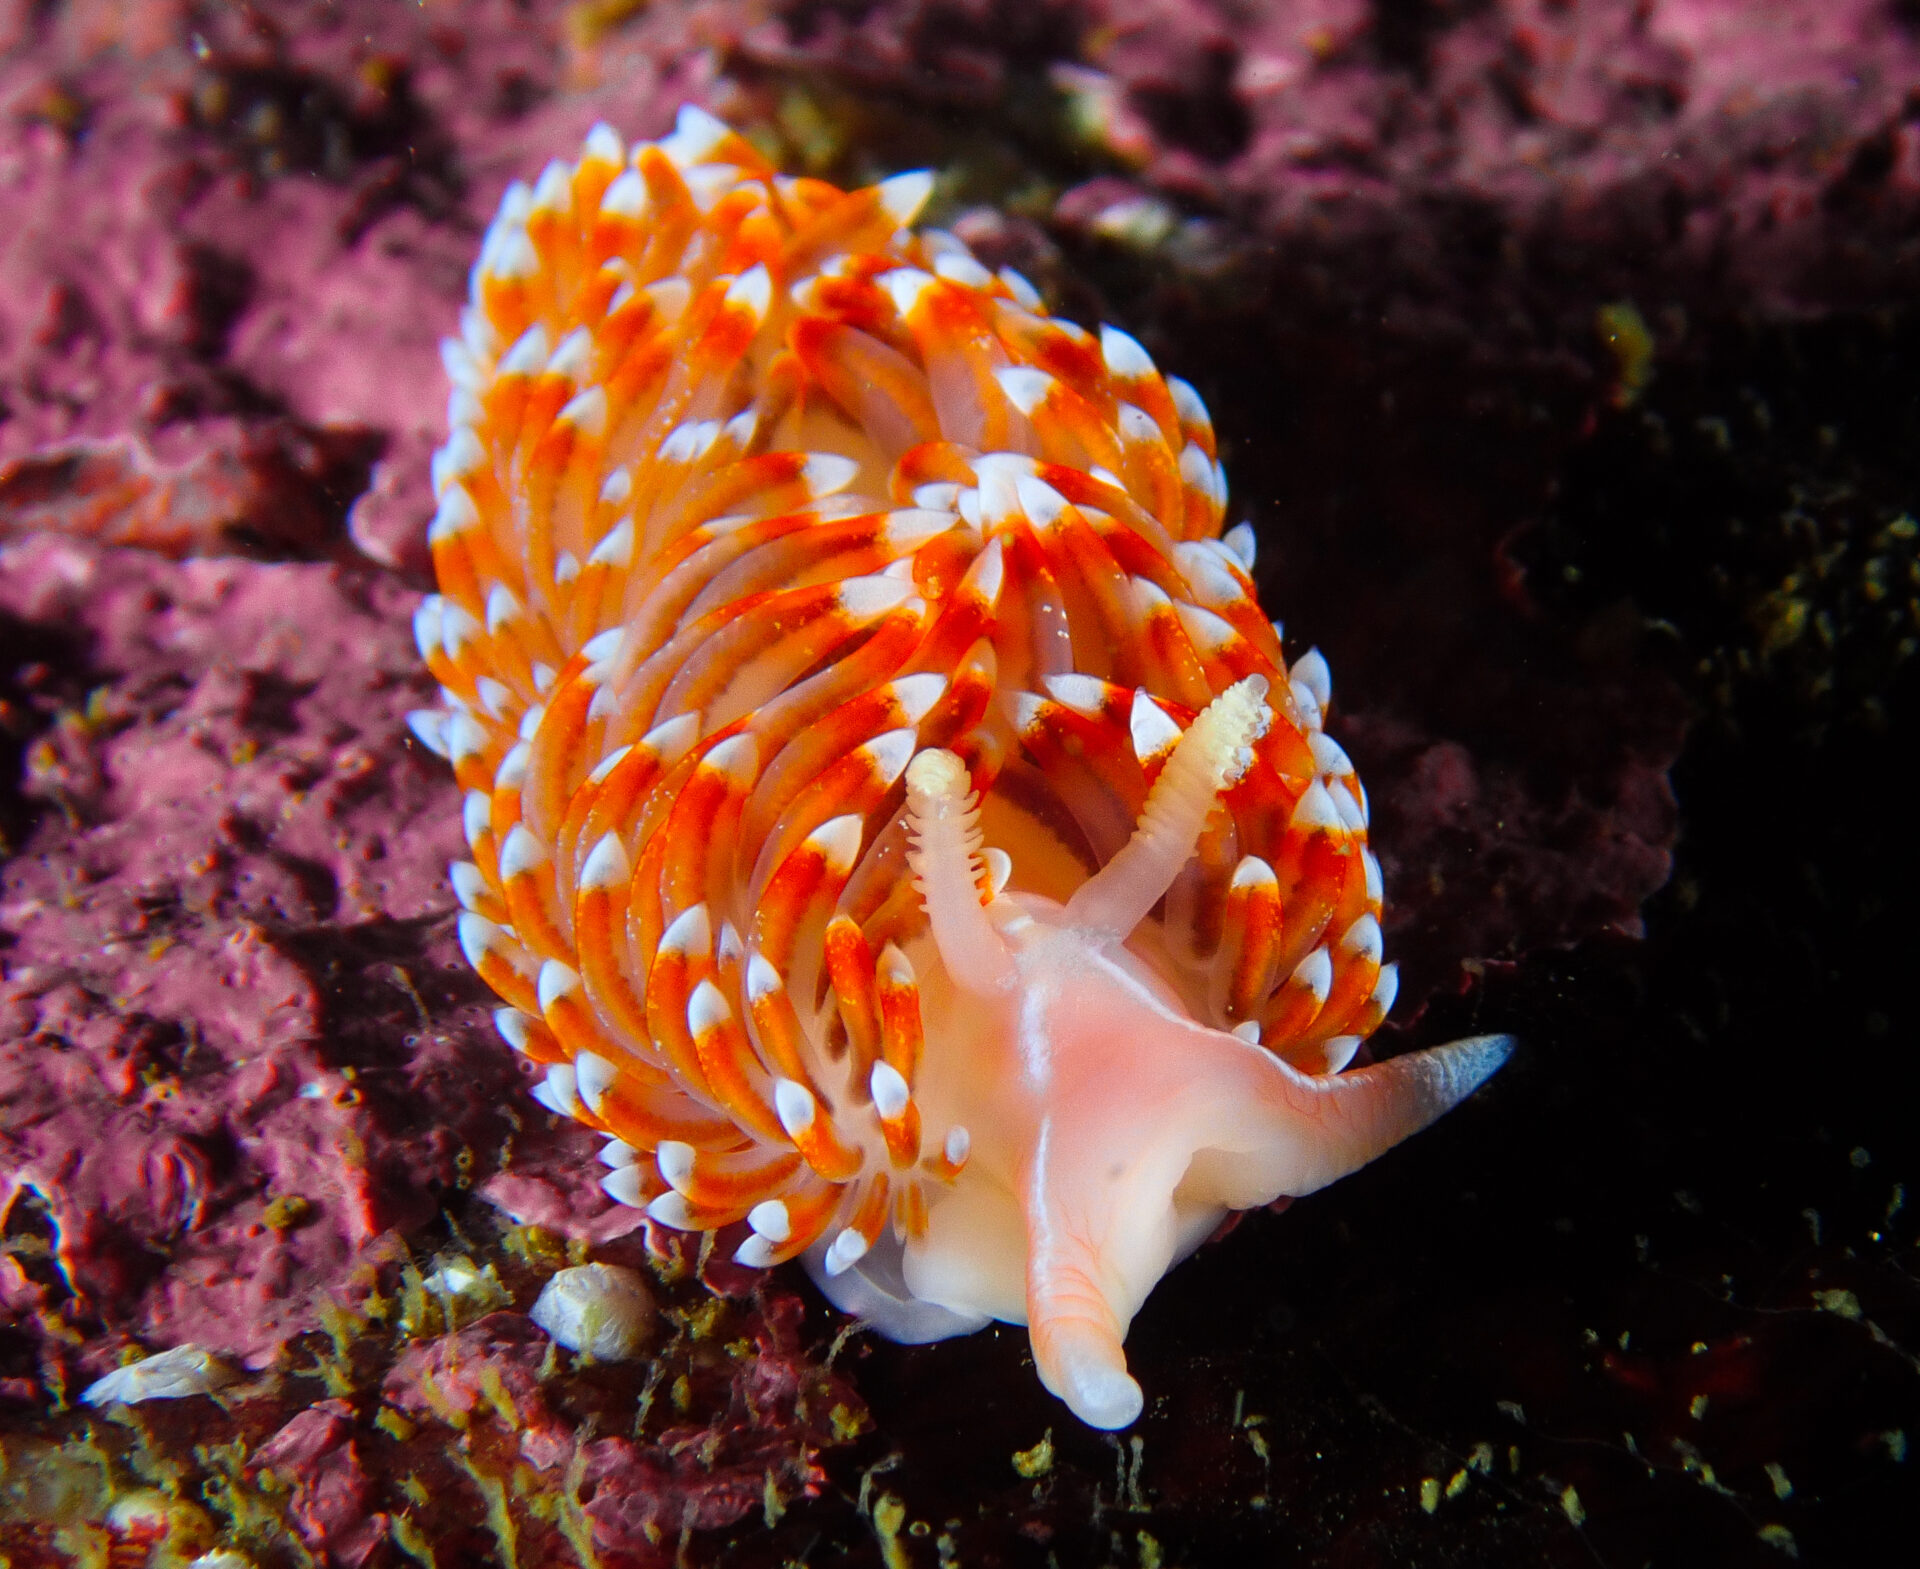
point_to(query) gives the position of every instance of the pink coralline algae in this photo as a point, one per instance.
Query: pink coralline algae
(498, 1358)
(1472, 172)
(316, 1456)
(219, 925)
(211, 204)
(767, 1408)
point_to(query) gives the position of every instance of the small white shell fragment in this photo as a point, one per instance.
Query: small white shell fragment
(166, 1375)
(602, 1310)
(452, 1277)
(463, 1287)
(146, 1510)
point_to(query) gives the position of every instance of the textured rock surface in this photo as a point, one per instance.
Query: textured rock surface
(228, 995)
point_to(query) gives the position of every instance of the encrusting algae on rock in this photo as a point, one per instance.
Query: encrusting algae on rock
(893, 821)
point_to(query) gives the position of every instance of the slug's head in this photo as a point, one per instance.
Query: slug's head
(1110, 1131)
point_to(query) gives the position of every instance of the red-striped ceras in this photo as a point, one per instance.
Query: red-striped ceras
(893, 821)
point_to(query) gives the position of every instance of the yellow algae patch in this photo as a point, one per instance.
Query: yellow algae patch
(1038, 1460)
(1624, 332)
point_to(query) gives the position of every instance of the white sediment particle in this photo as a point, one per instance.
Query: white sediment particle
(600, 1310)
(166, 1375)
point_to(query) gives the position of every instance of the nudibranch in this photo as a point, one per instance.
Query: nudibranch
(894, 824)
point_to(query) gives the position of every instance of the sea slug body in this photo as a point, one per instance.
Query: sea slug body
(893, 821)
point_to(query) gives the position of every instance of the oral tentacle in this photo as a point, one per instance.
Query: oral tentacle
(1076, 1334)
(1215, 750)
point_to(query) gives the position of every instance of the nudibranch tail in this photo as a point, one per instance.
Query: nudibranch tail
(1355, 1116)
(892, 822)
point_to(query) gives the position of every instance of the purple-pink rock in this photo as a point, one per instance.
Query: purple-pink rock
(237, 1054)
